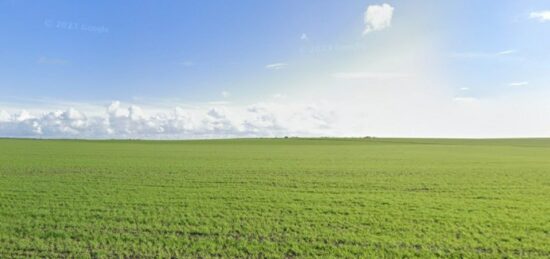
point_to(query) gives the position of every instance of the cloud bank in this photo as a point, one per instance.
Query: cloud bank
(131, 121)
(384, 111)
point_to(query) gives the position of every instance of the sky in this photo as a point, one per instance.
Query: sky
(222, 69)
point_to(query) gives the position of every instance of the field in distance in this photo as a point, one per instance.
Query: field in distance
(275, 198)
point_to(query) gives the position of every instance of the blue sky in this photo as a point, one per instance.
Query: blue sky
(160, 49)
(471, 59)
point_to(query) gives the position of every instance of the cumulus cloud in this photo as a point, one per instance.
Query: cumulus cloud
(541, 16)
(4, 116)
(131, 121)
(304, 37)
(377, 17)
(59, 123)
(276, 66)
(225, 94)
(383, 112)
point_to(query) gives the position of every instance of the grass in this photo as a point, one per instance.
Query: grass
(275, 198)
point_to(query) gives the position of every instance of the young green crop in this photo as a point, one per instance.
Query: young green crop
(275, 198)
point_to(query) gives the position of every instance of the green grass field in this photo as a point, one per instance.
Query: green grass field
(275, 198)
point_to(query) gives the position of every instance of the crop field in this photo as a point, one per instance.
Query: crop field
(275, 198)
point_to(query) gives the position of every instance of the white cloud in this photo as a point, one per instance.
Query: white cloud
(23, 115)
(131, 121)
(4, 116)
(225, 94)
(473, 55)
(61, 123)
(464, 88)
(523, 83)
(366, 75)
(377, 17)
(395, 110)
(506, 52)
(541, 16)
(304, 37)
(276, 66)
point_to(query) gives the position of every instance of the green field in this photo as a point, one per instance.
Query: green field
(275, 198)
